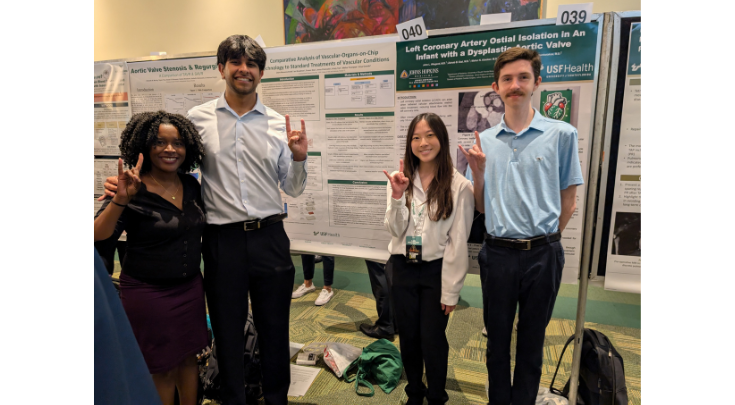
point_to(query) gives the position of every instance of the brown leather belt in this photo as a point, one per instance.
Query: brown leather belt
(522, 244)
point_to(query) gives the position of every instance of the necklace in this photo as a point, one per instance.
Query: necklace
(173, 197)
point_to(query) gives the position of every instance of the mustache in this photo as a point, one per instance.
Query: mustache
(516, 93)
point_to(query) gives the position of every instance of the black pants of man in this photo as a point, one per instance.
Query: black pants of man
(417, 293)
(528, 279)
(259, 261)
(380, 283)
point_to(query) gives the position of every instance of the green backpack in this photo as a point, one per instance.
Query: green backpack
(380, 361)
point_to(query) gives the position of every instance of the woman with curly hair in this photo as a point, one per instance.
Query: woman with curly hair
(160, 207)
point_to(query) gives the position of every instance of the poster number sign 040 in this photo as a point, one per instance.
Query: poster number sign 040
(412, 30)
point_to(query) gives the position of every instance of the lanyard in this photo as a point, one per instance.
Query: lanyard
(418, 219)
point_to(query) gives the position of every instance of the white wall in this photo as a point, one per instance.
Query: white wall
(135, 28)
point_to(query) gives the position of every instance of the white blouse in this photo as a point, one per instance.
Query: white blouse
(445, 238)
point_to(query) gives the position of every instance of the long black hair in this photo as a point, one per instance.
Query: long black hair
(439, 194)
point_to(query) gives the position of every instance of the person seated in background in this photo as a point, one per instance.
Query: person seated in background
(308, 262)
(161, 285)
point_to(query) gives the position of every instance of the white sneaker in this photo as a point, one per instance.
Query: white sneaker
(324, 297)
(302, 290)
(484, 331)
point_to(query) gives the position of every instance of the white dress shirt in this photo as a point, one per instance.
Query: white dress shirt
(246, 160)
(445, 238)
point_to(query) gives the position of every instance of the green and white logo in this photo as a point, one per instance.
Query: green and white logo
(557, 104)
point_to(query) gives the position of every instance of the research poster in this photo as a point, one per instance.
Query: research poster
(111, 106)
(103, 168)
(452, 76)
(174, 85)
(345, 92)
(623, 271)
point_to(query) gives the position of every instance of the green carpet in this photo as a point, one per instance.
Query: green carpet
(617, 315)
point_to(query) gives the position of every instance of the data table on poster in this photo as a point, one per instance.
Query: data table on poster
(357, 90)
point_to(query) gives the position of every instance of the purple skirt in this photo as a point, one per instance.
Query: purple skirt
(169, 321)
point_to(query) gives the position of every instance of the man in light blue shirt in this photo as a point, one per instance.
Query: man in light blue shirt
(250, 152)
(526, 171)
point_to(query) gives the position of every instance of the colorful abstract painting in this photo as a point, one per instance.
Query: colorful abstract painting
(322, 20)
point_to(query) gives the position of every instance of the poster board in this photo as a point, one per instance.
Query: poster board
(111, 106)
(451, 73)
(617, 249)
(356, 120)
(345, 92)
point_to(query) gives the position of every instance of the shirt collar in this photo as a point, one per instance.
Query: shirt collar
(538, 122)
(222, 103)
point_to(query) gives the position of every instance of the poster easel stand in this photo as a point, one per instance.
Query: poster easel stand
(596, 181)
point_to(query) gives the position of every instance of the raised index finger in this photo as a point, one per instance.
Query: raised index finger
(140, 163)
(477, 140)
(119, 167)
(303, 128)
(288, 124)
(400, 165)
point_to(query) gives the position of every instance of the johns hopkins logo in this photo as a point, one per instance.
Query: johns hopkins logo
(404, 75)
(555, 106)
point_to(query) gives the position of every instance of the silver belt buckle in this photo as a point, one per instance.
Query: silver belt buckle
(527, 242)
(255, 221)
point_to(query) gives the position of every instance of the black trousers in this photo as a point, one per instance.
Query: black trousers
(380, 283)
(417, 292)
(237, 262)
(530, 280)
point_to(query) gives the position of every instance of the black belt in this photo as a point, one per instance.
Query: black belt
(255, 223)
(522, 244)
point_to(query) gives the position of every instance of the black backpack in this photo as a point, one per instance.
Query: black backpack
(209, 372)
(601, 373)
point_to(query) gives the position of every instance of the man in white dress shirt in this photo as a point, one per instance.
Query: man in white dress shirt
(250, 152)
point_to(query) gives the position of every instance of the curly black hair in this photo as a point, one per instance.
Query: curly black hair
(141, 133)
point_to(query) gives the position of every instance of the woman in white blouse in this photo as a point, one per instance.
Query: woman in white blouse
(429, 215)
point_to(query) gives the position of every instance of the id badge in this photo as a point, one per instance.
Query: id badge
(413, 249)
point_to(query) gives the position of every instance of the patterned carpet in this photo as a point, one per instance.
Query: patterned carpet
(339, 320)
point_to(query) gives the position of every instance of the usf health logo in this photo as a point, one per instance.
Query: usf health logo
(557, 105)
(404, 75)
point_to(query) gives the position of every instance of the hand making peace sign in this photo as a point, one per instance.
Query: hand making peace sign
(475, 157)
(398, 182)
(297, 140)
(128, 181)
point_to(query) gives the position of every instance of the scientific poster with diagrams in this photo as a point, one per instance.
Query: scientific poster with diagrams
(174, 85)
(623, 270)
(345, 92)
(452, 76)
(111, 106)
